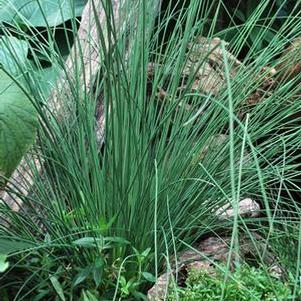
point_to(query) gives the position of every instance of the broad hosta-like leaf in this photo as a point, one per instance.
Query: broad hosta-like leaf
(13, 59)
(40, 12)
(45, 79)
(18, 123)
(13, 54)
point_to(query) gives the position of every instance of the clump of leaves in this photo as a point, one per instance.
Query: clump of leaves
(245, 284)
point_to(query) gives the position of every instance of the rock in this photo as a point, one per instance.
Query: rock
(246, 208)
(213, 144)
(290, 66)
(159, 290)
(205, 60)
(276, 271)
(205, 63)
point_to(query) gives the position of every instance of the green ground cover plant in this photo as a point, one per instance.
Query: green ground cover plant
(245, 284)
(101, 221)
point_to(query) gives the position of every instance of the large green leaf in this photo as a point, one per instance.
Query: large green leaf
(13, 59)
(45, 79)
(18, 123)
(13, 54)
(40, 12)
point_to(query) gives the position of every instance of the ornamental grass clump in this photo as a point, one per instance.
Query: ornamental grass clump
(104, 215)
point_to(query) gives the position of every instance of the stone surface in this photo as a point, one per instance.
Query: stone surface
(246, 208)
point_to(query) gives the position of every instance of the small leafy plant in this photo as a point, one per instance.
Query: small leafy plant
(245, 284)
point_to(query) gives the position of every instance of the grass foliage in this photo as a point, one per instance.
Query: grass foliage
(100, 222)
